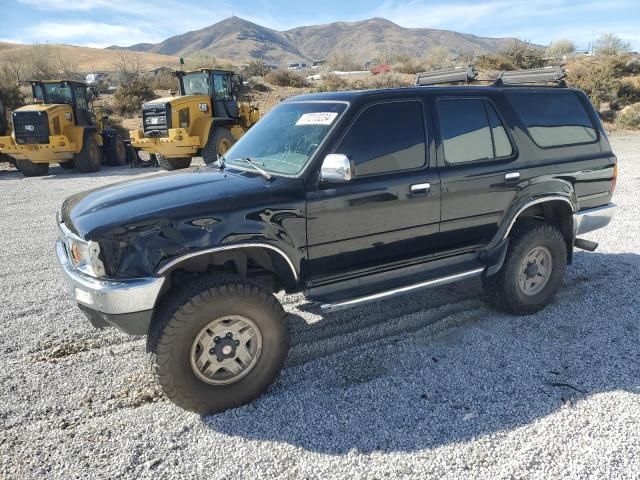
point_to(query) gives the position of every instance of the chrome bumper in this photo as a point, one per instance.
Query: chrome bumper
(591, 219)
(112, 297)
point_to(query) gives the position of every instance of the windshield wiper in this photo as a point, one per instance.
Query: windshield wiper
(262, 172)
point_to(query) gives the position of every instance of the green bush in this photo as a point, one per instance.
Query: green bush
(600, 80)
(256, 83)
(630, 117)
(521, 55)
(130, 96)
(383, 80)
(286, 78)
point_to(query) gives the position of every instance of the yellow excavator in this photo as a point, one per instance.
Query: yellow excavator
(60, 127)
(205, 119)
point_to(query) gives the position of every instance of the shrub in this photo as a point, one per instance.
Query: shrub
(285, 78)
(383, 80)
(630, 117)
(409, 67)
(493, 62)
(255, 68)
(12, 96)
(560, 48)
(629, 91)
(600, 80)
(130, 96)
(164, 81)
(522, 55)
(332, 83)
(257, 84)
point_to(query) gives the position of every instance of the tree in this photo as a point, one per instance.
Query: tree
(560, 48)
(611, 44)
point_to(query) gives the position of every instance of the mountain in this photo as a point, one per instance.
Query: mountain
(240, 40)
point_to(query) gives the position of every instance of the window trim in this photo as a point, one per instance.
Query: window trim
(480, 161)
(425, 131)
(564, 145)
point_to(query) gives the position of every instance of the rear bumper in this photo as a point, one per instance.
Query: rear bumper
(127, 304)
(59, 149)
(591, 219)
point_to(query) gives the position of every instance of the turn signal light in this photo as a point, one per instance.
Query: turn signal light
(614, 180)
(62, 144)
(1, 145)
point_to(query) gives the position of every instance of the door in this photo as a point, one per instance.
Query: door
(478, 171)
(84, 116)
(224, 102)
(389, 211)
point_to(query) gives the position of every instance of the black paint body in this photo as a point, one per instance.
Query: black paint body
(352, 238)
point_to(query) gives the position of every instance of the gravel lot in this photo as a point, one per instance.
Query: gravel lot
(432, 385)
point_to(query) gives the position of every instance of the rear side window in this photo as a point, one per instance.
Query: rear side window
(386, 137)
(554, 119)
(471, 131)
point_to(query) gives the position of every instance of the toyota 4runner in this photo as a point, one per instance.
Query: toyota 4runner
(349, 197)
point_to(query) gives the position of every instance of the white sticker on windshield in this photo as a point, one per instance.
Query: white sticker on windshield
(317, 118)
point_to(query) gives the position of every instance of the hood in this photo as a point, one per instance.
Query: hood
(168, 198)
(177, 101)
(44, 107)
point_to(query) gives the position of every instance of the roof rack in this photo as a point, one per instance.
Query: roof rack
(532, 76)
(454, 75)
(554, 74)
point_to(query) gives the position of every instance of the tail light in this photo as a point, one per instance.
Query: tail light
(614, 179)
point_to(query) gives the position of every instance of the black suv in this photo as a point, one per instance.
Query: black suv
(349, 197)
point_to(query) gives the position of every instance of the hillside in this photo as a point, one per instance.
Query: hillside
(240, 40)
(93, 59)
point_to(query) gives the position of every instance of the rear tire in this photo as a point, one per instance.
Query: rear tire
(191, 344)
(533, 270)
(117, 152)
(173, 163)
(219, 142)
(90, 157)
(30, 169)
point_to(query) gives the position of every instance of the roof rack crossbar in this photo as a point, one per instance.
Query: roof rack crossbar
(454, 75)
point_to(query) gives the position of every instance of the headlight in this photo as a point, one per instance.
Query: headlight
(85, 256)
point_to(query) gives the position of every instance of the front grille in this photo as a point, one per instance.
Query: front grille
(156, 119)
(31, 127)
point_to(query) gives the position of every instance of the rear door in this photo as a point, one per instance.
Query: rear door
(478, 164)
(389, 211)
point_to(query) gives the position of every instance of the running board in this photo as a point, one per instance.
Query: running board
(374, 297)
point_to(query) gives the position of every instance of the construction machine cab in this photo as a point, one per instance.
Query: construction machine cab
(67, 92)
(220, 85)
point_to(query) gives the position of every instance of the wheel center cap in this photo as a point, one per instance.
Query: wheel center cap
(532, 270)
(227, 349)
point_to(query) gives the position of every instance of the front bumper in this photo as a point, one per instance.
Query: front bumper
(177, 143)
(127, 304)
(59, 149)
(591, 219)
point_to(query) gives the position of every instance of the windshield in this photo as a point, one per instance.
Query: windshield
(54, 93)
(285, 139)
(196, 83)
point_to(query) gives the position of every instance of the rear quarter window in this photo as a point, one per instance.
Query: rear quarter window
(554, 119)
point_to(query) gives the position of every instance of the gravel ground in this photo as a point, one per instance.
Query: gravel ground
(432, 385)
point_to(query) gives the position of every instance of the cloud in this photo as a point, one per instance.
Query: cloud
(100, 34)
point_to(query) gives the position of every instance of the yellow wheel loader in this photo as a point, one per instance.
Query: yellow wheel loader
(204, 120)
(60, 127)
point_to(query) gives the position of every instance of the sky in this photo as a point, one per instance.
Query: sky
(100, 23)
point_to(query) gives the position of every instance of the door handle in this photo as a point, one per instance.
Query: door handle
(512, 176)
(420, 188)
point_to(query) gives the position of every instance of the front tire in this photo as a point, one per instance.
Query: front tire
(533, 270)
(219, 142)
(218, 343)
(89, 159)
(173, 163)
(68, 165)
(30, 169)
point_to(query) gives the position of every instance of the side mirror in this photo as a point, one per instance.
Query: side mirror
(336, 168)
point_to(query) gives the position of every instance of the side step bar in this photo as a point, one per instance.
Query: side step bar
(374, 297)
